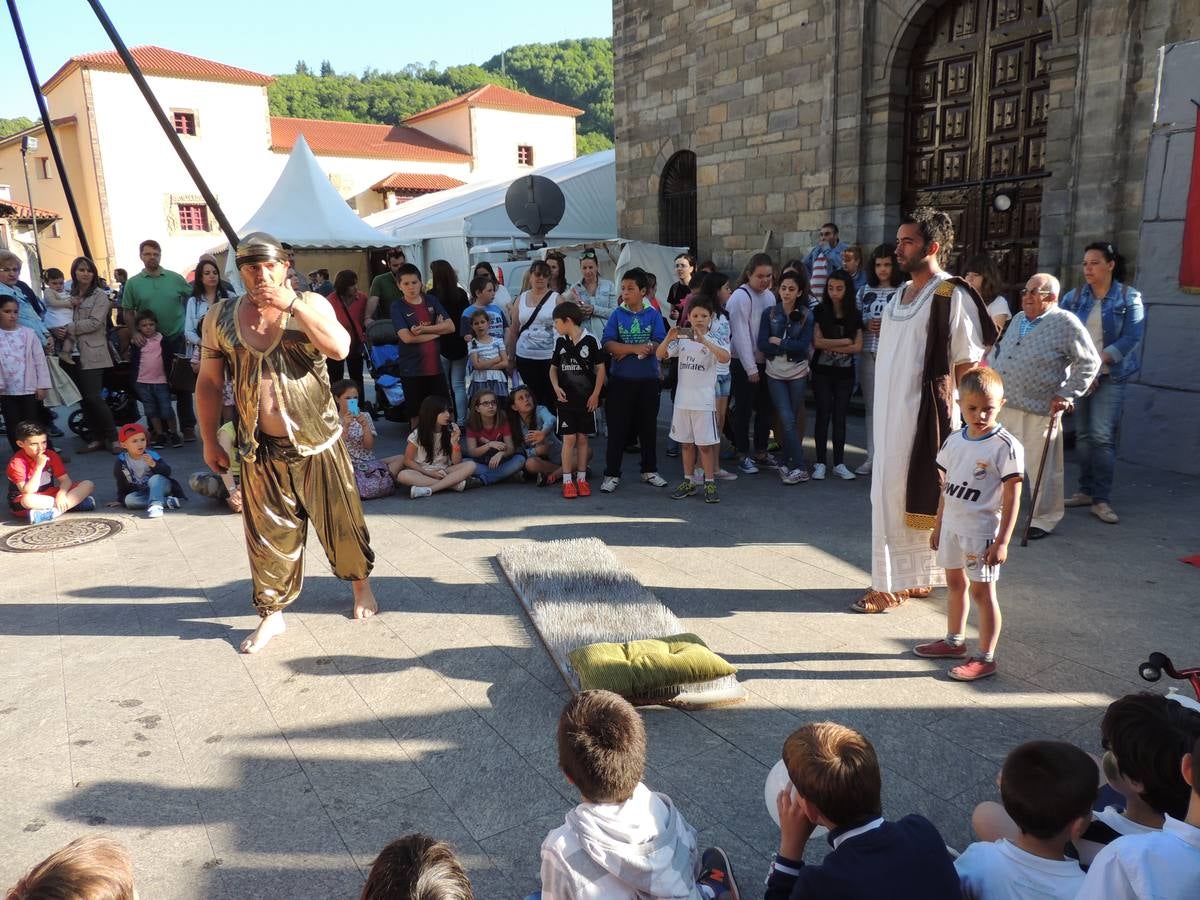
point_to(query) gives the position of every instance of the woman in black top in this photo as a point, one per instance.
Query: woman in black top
(452, 346)
(685, 268)
(837, 337)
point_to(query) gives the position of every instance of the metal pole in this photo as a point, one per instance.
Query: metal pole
(37, 247)
(45, 113)
(167, 126)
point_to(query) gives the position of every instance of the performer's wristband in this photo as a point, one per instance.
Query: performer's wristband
(292, 305)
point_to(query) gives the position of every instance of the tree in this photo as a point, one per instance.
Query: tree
(302, 68)
(326, 68)
(591, 142)
(12, 126)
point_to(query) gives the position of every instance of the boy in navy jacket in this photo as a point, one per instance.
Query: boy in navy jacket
(836, 780)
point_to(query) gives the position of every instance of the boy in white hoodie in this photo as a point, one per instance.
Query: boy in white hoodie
(623, 840)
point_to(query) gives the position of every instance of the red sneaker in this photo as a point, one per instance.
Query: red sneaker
(570, 492)
(973, 669)
(941, 650)
(583, 489)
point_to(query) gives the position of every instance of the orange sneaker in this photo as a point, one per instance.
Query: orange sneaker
(584, 490)
(570, 492)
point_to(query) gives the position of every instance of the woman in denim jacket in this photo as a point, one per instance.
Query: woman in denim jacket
(1116, 325)
(785, 338)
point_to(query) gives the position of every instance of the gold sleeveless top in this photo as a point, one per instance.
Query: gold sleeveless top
(295, 366)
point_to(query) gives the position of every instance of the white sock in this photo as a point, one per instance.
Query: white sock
(956, 640)
(581, 476)
(566, 477)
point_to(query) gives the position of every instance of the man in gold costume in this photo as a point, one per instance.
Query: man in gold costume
(294, 467)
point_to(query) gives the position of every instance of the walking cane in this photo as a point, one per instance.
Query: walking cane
(1037, 485)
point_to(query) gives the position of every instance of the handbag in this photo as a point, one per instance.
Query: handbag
(63, 391)
(181, 377)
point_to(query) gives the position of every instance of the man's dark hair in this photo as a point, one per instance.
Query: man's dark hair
(1046, 785)
(1148, 736)
(602, 746)
(934, 225)
(408, 269)
(397, 253)
(145, 315)
(149, 242)
(28, 429)
(569, 310)
(638, 277)
(417, 867)
(831, 225)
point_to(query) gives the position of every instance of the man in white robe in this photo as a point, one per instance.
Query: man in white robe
(902, 563)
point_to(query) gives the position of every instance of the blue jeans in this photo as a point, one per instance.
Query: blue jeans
(155, 494)
(788, 397)
(456, 377)
(1097, 429)
(506, 469)
(156, 402)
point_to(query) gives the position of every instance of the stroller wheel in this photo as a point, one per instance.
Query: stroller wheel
(1149, 672)
(78, 426)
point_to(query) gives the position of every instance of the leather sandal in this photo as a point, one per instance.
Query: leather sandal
(919, 593)
(873, 602)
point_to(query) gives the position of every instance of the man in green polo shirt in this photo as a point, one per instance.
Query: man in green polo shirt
(385, 288)
(165, 294)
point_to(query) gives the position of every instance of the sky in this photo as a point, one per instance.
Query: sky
(351, 34)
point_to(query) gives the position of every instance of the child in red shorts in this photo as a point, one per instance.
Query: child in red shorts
(38, 484)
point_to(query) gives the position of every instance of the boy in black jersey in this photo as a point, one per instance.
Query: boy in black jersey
(577, 375)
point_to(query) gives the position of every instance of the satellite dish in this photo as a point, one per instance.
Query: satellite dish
(535, 204)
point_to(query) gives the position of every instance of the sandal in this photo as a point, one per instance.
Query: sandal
(919, 593)
(873, 602)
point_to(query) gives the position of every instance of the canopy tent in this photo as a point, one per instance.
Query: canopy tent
(448, 224)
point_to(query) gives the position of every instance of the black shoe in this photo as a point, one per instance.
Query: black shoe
(176, 439)
(55, 431)
(1036, 534)
(716, 874)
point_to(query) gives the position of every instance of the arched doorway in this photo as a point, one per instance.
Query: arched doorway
(975, 130)
(677, 202)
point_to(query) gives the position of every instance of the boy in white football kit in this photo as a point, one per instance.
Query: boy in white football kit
(982, 466)
(694, 418)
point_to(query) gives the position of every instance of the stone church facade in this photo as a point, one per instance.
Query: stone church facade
(744, 124)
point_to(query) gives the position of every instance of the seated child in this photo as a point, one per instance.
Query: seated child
(533, 429)
(490, 440)
(417, 867)
(623, 840)
(371, 475)
(228, 485)
(143, 477)
(1158, 865)
(837, 784)
(1048, 788)
(489, 361)
(432, 461)
(148, 366)
(88, 868)
(60, 311)
(39, 487)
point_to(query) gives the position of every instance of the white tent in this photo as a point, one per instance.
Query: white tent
(446, 225)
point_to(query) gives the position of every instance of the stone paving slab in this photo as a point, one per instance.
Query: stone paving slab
(125, 709)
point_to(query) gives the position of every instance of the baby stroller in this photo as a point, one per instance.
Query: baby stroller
(382, 352)
(119, 399)
(1159, 663)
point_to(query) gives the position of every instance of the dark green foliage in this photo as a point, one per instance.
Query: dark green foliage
(12, 126)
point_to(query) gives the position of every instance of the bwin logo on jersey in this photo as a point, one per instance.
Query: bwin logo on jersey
(962, 492)
(981, 469)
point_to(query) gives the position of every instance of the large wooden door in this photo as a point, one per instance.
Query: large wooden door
(975, 136)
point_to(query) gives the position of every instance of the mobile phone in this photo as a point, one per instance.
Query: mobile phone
(685, 331)
(352, 406)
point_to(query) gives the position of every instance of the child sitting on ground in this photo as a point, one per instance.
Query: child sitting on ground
(490, 441)
(60, 311)
(432, 461)
(1048, 788)
(148, 367)
(417, 867)
(1161, 864)
(534, 428)
(694, 417)
(577, 376)
(623, 840)
(88, 868)
(982, 466)
(143, 477)
(372, 477)
(489, 360)
(39, 487)
(837, 782)
(228, 485)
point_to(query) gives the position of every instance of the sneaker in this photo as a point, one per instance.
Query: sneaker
(843, 473)
(710, 492)
(1104, 513)
(55, 431)
(172, 503)
(941, 650)
(686, 489)
(609, 484)
(672, 449)
(729, 454)
(42, 516)
(864, 469)
(716, 874)
(176, 439)
(1078, 499)
(973, 669)
(417, 491)
(461, 486)
(747, 466)
(722, 475)
(155, 511)
(585, 489)
(818, 472)
(770, 460)
(794, 476)
(654, 479)
(157, 441)
(189, 435)
(87, 504)
(473, 481)
(569, 491)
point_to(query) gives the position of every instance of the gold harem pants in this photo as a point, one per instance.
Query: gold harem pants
(282, 492)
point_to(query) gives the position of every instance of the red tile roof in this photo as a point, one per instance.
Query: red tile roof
(363, 140)
(493, 96)
(415, 183)
(159, 61)
(20, 212)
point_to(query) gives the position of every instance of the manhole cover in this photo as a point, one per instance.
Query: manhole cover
(67, 532)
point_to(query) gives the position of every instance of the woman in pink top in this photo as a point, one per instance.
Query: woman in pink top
(24, 374)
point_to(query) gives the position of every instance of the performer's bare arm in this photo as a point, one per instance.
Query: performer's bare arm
(210, 382)
(316, 316)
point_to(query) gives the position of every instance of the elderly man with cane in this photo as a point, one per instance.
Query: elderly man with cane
(1047, 362)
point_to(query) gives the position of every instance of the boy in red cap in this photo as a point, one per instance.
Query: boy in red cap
(38, 484)
(143, 477)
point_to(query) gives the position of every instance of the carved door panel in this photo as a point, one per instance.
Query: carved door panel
(976, 128)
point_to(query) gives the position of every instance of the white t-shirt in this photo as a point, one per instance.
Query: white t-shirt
(999, 308)
(537, 341)
(1098, 836)
(976, 469)
(720, 333)
(1163, 864)
(1003, 871)
(440, 458)
(697, 389)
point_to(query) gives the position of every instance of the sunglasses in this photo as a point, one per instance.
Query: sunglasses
(588, 254)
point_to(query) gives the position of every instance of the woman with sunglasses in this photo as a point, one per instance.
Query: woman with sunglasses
(531, 334)
(596, 296)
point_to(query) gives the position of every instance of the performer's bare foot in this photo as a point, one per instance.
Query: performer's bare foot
(271, 626)
(364, 600)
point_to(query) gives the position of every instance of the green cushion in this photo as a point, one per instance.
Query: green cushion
(636, 668)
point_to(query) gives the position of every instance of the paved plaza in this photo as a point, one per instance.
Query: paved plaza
(125, 708)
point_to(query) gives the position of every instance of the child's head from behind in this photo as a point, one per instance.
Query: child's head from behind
(835, 769)
(567, 315)
(602, 746)
(980, 397)
(133, 438)
(89, 868)
(1145, 736)
(31, 437)
(1048, 788)
(147, 323)
(417, 867)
